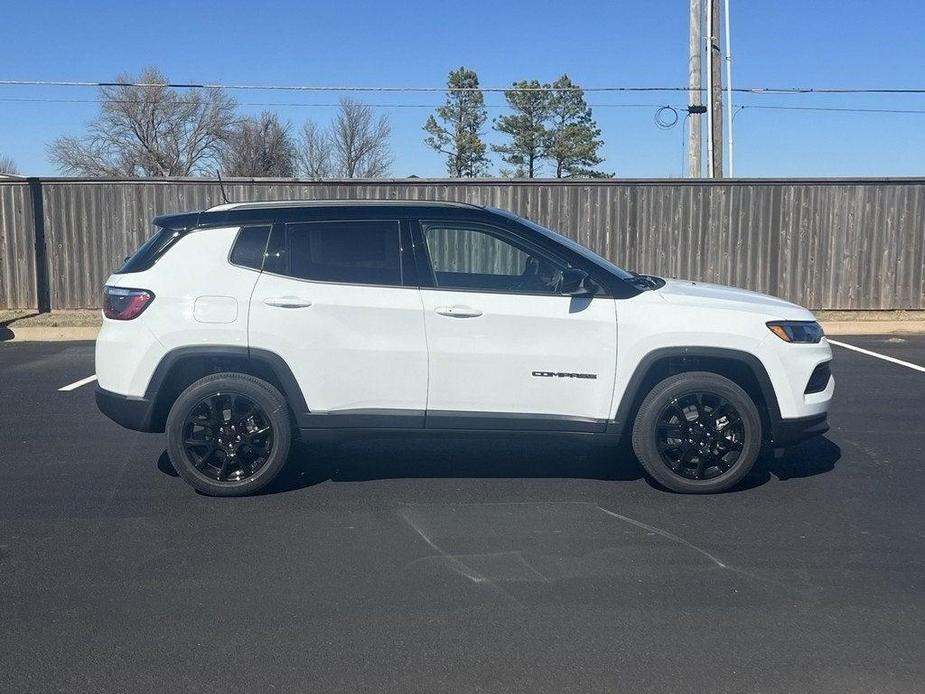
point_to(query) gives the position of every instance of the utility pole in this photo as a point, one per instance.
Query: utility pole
(727, 32)
(716, 89)
(695, 103)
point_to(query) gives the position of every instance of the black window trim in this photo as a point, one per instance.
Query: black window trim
(284, 230)
(422, 257)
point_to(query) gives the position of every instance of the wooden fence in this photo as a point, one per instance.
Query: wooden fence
(826, 244)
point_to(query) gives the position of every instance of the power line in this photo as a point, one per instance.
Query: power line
(830, 108)
(660, 108)
(491, 106)
(276, 103)
(349, 88)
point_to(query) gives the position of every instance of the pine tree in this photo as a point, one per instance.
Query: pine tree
(574, 138)
(458, 134)
(526, 127)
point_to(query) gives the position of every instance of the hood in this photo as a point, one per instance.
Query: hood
(686, 292)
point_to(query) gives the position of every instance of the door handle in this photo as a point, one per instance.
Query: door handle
(287, 302)
(458, 311)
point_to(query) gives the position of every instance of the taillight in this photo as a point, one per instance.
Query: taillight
(125, 304)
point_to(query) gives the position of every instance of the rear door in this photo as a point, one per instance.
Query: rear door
(507, 349)
(333, 303)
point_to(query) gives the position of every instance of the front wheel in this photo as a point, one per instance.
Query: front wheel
(229, 434)
(697, 432)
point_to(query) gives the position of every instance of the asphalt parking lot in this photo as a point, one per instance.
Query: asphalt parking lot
(448, 565)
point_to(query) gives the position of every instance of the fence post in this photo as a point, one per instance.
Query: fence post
(42, 288)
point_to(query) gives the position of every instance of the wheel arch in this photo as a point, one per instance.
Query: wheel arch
(182, 366)
(743, 368)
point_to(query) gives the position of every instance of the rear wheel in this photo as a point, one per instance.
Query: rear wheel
(229, 434)
(697, 432)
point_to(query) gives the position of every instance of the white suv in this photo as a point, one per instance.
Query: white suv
(235, 328)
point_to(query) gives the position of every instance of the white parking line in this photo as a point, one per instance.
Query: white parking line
(77, 384)
(879, 356)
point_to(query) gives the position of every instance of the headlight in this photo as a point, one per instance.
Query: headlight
(796, 330)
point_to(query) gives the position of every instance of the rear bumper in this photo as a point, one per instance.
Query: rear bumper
(787, 432)
(131, 412)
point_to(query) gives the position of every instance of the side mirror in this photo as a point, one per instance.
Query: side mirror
(576, 282)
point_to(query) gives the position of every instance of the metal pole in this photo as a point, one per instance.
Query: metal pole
(42, 285)
(729, 89)
(709, 49)
(716, 88)
(695, 125)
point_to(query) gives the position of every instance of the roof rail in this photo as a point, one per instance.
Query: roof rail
(256, 205)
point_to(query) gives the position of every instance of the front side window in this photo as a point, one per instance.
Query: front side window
(352, 252)
(574, 246)
(476, 257)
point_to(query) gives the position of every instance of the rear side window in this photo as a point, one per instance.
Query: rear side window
(353, 252)
(250, 247)
(148, 253)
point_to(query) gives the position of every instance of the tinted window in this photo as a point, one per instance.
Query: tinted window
(474, 257)
(586, 253)
(150, 251)
(354, 252)
(250, 246)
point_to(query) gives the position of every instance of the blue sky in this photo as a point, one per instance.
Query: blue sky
(854, 43)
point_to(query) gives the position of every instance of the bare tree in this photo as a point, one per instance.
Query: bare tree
(316, 152)
(354, 145)
(149, 130)
(8, 166)
(260, 146)
(361, 144)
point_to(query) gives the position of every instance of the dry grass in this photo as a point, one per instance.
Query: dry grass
(870, 315)
(83, 318)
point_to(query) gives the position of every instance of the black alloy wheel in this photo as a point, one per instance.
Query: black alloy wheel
(228, 436)
(697, 432)
(700, 435)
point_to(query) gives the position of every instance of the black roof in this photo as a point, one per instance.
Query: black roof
(295, 210)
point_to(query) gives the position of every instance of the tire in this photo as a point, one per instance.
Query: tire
(229, 434)
(697, 433)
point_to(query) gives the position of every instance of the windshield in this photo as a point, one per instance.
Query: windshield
(572, 245)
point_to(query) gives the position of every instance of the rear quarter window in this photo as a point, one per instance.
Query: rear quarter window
(250, 247)
(148, 253)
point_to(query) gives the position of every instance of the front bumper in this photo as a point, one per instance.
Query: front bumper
(790, 366)
(131, 412)
(788, 432)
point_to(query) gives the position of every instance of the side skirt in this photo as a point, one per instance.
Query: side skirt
(418, 420)
(339, 435)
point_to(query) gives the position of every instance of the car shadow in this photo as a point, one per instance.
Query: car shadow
(374, 458)
(816, 456)
(378, 458)
(166, 466)
(6, 332)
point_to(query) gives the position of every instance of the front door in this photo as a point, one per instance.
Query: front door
(507, 349)
(332, 303)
